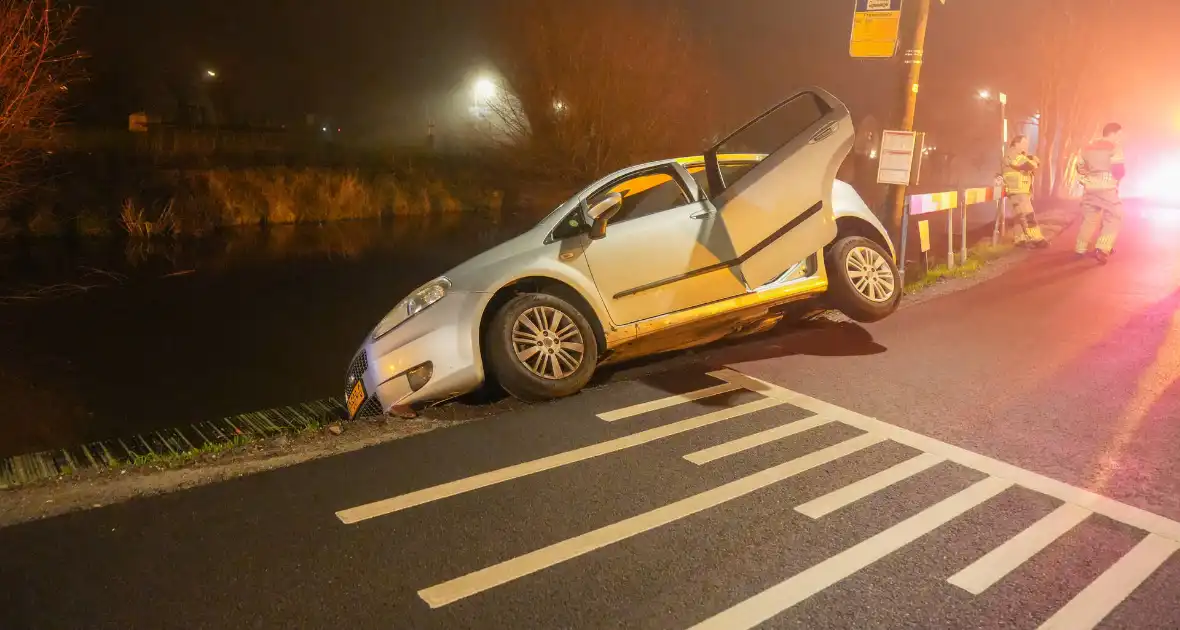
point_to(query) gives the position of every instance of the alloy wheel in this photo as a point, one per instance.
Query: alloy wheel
(548, 343)
(870, 274)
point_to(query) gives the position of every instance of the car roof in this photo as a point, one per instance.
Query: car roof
(693, 161)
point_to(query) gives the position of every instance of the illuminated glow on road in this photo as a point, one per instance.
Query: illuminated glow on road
(1153, 383)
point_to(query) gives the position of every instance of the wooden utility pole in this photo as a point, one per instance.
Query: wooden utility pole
(914, 58)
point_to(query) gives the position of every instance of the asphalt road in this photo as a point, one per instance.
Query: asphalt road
(1003, 457)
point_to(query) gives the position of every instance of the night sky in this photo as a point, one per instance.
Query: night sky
(385, 65)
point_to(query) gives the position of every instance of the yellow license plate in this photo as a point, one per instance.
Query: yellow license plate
(356, 397)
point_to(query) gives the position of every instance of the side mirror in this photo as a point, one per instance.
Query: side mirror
(601, 213)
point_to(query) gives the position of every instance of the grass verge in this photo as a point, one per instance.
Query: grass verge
(1053, 223)
(977, 258)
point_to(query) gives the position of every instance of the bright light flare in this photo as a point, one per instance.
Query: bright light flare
(1160, 183)
(484, 90)
(212, 74)
(985, 94)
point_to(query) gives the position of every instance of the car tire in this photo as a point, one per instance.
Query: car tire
(863, 282)
(550, 367)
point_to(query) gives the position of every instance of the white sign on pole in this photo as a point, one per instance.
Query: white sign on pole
(897, 157)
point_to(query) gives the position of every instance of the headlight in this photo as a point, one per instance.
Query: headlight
(415, 303)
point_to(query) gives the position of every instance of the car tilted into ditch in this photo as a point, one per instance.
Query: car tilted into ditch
(654, 257)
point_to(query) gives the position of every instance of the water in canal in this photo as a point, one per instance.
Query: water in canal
(108, 338)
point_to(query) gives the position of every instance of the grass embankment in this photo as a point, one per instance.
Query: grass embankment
(95, 183)
(199, 201)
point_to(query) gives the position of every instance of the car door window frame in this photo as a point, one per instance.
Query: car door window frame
(579, 211)
(680, 177)
(703, 195)
(712, 168)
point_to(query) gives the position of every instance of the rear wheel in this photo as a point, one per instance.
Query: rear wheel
(863, 282)
(540, 347)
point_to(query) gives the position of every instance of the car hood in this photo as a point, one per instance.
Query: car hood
(479, 273)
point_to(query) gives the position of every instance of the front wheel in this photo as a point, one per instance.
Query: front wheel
(863, 282)
(540, 347)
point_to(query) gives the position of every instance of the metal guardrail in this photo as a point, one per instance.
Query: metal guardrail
(24, 469)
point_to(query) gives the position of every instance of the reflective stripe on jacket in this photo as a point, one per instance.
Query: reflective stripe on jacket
(1018, 172)
(1096, 165)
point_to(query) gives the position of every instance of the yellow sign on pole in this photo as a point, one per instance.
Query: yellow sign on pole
(876, 25)
(924, 234)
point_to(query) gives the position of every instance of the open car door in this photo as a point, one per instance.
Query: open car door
(780, 212)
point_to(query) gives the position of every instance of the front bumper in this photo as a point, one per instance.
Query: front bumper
(446, 336)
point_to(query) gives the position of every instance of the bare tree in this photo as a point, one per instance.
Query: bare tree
(34, 74)
(1072, 47)
(592, 86)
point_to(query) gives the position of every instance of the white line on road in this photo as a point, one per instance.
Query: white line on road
(991, 568)
(1098, 599)
(670, 401)
(790, 592)
(1064, 492)
(757, 439)
(854, 492)
(467, 484)
(504, 572)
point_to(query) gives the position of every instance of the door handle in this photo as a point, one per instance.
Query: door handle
(824, 132)
(700, 214)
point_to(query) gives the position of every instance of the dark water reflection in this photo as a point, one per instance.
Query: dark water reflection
(197, 330)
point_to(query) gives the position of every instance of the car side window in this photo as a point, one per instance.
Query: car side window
(644, 194)
(773, 130)
(729, 172)
(573, 224)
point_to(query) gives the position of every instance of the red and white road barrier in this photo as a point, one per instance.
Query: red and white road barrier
(929, 203)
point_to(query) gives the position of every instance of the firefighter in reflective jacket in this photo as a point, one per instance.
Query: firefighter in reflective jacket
(1100, 169)
(1019, 168)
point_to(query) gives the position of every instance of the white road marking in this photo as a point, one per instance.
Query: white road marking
(670, 401)
(854, 492)
(483, 480)
(1101, 597)
(1064, 492)
(1002, 560)
(748, 442)
(504, 572)
(790, 592)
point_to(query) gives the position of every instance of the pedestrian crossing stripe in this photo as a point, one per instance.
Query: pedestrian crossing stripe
(1086, 610)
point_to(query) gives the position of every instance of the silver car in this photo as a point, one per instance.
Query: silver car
(654, 257)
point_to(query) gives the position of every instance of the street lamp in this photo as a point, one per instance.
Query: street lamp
(484, 89)
(1001, 205)
(212, 74)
